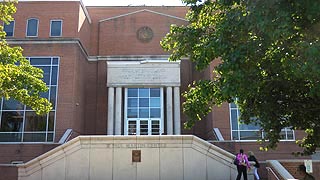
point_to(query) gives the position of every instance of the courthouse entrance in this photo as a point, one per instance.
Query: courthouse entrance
(143, 96)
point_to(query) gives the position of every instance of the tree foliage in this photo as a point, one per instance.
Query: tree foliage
(269, 52)
(19, 79)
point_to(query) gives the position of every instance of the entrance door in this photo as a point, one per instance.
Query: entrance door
(143, 111)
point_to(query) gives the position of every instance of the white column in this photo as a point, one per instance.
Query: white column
(110, 110)
(169, 111)
(118, 117)
(177, 120)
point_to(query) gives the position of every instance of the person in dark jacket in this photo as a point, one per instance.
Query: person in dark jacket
(256, 166)
(242, 165)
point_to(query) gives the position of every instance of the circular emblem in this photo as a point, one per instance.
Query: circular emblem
(145, 34)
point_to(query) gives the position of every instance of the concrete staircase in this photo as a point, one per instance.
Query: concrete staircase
(132, 157)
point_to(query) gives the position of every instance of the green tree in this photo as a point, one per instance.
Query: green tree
(269, 54)
(19, 79)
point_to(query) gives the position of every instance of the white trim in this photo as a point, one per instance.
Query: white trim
(162, 111)
(47, 41)
(56, 20)
(85, 11)
(37, 33)
(125, 111)
(143, 10)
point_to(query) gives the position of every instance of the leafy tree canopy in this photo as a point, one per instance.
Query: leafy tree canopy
(269, 52)
(18, 79)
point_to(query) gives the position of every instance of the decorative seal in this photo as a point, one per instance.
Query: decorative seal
(145, 34)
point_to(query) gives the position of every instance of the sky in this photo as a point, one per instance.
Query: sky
(132, 2)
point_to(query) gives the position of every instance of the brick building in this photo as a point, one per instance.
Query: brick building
(108, 75)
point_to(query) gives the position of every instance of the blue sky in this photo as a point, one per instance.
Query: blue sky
(132, 2)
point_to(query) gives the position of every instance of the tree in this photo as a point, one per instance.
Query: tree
(269, 63)
(19, 79)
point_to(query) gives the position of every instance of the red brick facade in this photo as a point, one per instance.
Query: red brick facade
(90, 33)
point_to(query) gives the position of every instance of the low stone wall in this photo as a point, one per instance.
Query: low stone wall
(132, 157)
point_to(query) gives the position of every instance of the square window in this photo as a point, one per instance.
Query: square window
(132, 92)
(10, 137)
(144, 113)
(132, 113)
(155, 102)
(155, 113)
(40, 61)
(32, 27)
(132, 128)
(9, 29)
(154, 92)
(144, 102)
(34, 137)
(11, 121)
(12, 104)
(46, 73)
(35, 122)
(132, 102)
(144, 92)
(55, 61)
(55, 28)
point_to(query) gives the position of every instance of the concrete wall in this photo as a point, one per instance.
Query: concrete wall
(111, 157)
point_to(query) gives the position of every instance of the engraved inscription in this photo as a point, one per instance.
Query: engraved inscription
(133, 145)
(137, 75)
(145, 74)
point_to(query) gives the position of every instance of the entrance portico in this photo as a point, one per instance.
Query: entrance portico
(143, 96)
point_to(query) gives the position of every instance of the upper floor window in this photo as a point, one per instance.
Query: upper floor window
(32, 27)
(9, 28)
(55, 28)
(251, 131)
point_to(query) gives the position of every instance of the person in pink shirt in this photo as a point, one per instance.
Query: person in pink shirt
(242, 165)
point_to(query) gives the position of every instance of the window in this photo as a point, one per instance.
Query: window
(251, 131)
(19, 123)
(55, 28)
(32, 27)
(143, 111)
(9, 29)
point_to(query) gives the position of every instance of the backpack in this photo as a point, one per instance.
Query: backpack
(236, 161)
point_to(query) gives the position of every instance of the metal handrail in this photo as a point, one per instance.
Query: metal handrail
(274, 174)
(66, 136)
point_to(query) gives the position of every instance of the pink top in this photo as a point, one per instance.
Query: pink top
(243, 160)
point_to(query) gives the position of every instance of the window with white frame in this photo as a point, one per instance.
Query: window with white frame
(143, 111)
(240, 131)
(55, 28)
(19, 123)
(32, 27)
(9, 29)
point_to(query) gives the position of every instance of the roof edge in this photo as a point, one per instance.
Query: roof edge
(143, 10)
